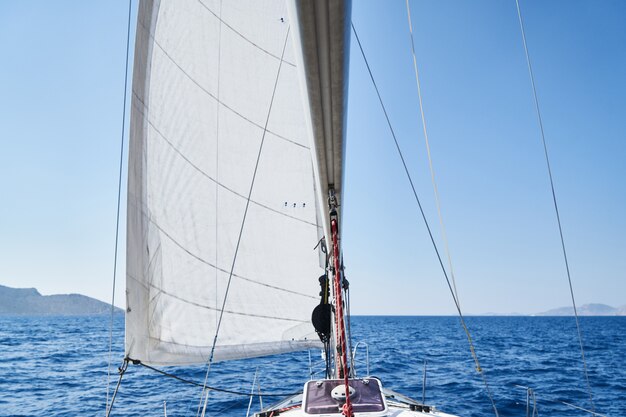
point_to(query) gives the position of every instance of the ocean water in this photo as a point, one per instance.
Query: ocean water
(57, 366)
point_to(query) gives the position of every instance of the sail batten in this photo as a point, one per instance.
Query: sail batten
(205, 96)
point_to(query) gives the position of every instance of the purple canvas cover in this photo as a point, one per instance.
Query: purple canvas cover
(367, 397)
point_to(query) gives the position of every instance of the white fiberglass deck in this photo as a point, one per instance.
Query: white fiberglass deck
(369, 399)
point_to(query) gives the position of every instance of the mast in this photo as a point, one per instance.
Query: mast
(341, 363)
(341, 355)
(321, 31)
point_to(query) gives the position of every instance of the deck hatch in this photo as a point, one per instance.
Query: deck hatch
(367, 396)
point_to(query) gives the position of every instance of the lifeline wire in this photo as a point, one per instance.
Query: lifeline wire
(556, 207)
(430, 234)
(243, 222)
(545, 399)
(444, 235)
(119, 198)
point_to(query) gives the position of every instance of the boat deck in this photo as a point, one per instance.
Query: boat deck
(324, 398)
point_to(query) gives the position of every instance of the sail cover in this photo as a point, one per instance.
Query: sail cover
(217, 116)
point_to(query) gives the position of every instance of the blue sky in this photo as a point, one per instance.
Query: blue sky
(61, 84)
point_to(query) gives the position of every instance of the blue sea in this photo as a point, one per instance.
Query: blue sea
(57, 366)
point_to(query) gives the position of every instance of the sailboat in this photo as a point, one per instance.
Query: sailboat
(236, 161)
(235, 196)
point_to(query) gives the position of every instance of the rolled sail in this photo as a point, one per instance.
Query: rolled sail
(322, 30)
(218, 125)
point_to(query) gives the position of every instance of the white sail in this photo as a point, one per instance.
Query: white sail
(205, 73)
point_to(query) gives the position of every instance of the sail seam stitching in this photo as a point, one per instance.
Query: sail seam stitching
(288, 342)
(244, 37)
(239, 313)
(202, 172)
(226, 106)
(204, 261)
(201, 87)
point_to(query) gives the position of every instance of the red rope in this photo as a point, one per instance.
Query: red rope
(340, 325)
(290, 408)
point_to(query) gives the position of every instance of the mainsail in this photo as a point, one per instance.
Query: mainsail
(218, 119)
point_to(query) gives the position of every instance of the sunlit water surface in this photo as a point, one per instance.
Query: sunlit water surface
(57, 366)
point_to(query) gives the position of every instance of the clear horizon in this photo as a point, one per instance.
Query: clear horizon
(62, 82)
(467, 314)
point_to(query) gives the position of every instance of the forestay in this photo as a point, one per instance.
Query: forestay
(204, 77)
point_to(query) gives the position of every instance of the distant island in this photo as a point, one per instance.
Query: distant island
(582, 310)
(28, 301)
(586, 310)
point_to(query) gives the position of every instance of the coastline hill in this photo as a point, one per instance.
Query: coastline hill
(586, 310)
(28, 301)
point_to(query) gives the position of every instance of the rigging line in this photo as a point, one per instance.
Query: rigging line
(444, 235)
(119, 199)
(430, 234)
(245, 213)
(346, 286)
(198, 384)
(217, 153)
(554, 200)
(256, 373)
(122, 371)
